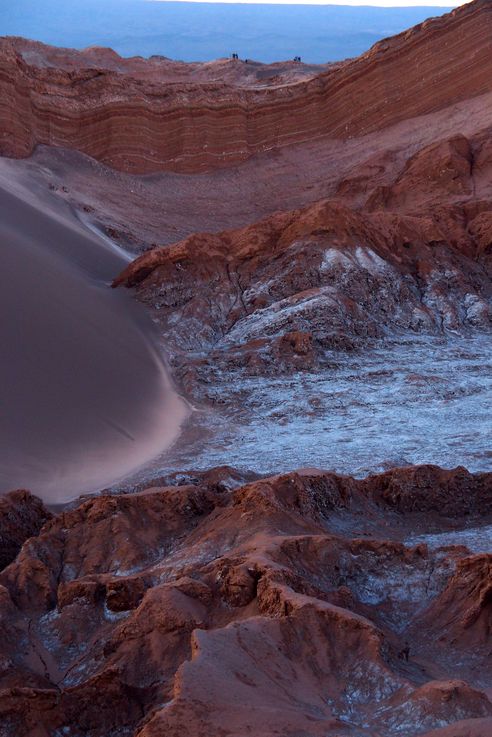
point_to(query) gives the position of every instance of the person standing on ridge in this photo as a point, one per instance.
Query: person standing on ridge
(405, 652)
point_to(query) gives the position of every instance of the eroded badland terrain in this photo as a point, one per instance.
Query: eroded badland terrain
(309, 243)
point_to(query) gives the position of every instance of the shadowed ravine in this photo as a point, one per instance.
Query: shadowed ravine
(85, 398)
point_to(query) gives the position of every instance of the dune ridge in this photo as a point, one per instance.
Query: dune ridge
(85, 394)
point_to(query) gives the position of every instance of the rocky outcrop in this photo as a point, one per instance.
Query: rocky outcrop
(435, 490)
(21, 516)
(276, 295)
(140, 122)
(462, 615)
(180, 608)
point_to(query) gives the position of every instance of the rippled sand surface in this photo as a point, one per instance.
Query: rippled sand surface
(84, 395)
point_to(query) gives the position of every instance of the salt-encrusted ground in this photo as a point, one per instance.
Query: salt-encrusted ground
(425, 400)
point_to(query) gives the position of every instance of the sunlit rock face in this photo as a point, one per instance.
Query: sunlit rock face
(84, 394)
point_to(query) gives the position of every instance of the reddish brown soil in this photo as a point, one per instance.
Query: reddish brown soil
(279, 606)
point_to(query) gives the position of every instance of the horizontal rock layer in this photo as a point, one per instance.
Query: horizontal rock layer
(146, 125)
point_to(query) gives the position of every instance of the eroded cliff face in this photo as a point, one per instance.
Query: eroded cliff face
(278, 605)
(113, 111)
(276, 295)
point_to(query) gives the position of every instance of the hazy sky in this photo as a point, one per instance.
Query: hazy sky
(380, 3)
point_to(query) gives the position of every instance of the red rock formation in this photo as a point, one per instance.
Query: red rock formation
(139, 124)
(275, 295)
(462, 616)
(434, 174)
(200, 610)
(21, 516)
(431, 489)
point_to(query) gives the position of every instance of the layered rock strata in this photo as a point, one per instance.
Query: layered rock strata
(143, 123)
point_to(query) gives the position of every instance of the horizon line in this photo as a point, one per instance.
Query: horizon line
(327, 3)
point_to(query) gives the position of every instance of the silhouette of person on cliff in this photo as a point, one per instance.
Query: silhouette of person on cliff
(405, 652)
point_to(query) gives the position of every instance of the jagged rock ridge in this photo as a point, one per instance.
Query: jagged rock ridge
(272, 606)
(277, 294)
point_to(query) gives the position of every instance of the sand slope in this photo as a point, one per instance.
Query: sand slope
(83, 391)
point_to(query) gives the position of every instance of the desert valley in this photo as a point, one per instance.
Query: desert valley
(246, 391)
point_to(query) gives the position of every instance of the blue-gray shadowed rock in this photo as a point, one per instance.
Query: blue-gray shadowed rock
(84, 394)
(204, 31)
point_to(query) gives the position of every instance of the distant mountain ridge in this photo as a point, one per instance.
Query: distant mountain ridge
(206, 31)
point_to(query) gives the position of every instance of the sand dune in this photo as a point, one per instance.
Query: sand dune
(83, 389)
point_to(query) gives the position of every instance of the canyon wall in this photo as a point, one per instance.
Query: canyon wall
(146, 125)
